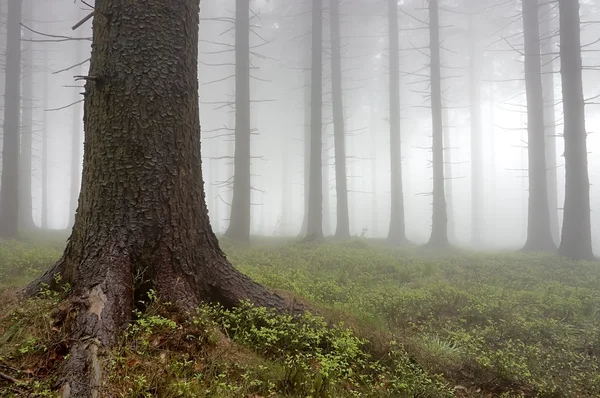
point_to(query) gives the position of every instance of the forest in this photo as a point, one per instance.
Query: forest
(303, 198)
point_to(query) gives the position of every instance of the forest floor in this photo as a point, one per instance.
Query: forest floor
(391, 323)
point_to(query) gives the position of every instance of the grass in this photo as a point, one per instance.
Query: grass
(392, 323)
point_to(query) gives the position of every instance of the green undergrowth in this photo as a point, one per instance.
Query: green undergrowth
(391, 323)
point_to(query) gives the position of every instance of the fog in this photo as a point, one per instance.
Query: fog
(280, 56)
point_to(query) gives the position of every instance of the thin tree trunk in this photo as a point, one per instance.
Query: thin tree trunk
(476, 139)
(25, 196)
(142, 209)
(539, 236)
(448, 175)
(397, 231)
(326, 190)
(44, 160)
(576, 241)
(315, 203)
(341, 180)
(9, 191)
(548, 56)
(75, 145)
(239, 224)
(306, 154)
(439, 229)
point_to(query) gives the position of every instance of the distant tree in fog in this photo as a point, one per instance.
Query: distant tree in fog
(576, 239)
(9, 191)
(539, 235)
(439, 228)
(239, 222)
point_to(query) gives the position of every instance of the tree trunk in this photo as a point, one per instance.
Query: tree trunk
(476, 139)
(439, 229)
(44, 160)
(539, 236)
(326, 191)
(341, 180)
(397, 231)
(142, 210)
(25, 196)
(314, 230)
(239, 224)
(306, 154)
(576, 241)
(548, 56)
(9, 191)
(448, 175)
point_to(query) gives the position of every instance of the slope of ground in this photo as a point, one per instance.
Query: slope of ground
(392, 323)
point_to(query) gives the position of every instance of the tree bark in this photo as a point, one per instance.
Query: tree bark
(142, 221)
(239, 224)
(476, 139)
(341, 181)
(25, 195)
(9, 191)
(539, 236)
(439, 229)
(576, 240)
(397, 231)
(314, 229)
(548, 49)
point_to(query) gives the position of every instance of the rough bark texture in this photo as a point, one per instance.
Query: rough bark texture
(239, 224)
(539, 236)
(314, 229)
(476, 140)
(9, 191)
(25, 197)
(142, 220)
(576, 240)
(439, 228)
(339, 134)
(548, 48)
(397, 231)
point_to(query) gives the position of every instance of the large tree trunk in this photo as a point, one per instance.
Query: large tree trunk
(25, 197)
(314, 229)
(397, 231)
(548, 57)
(239, 224)
(9, 191)
(476, 140)
(341, 181)
(142, 209)
(439, 228)
(539, 237)
(576, 241)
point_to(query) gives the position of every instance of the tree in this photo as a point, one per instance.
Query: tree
(439, 229)
(26, 156)
(142, 220)
(341, 182)
(576, 240)
(548, 48)
(476, 128)
(397, 232)
(9, 191)
(314, 228)
(539, 235)
(239, 223)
